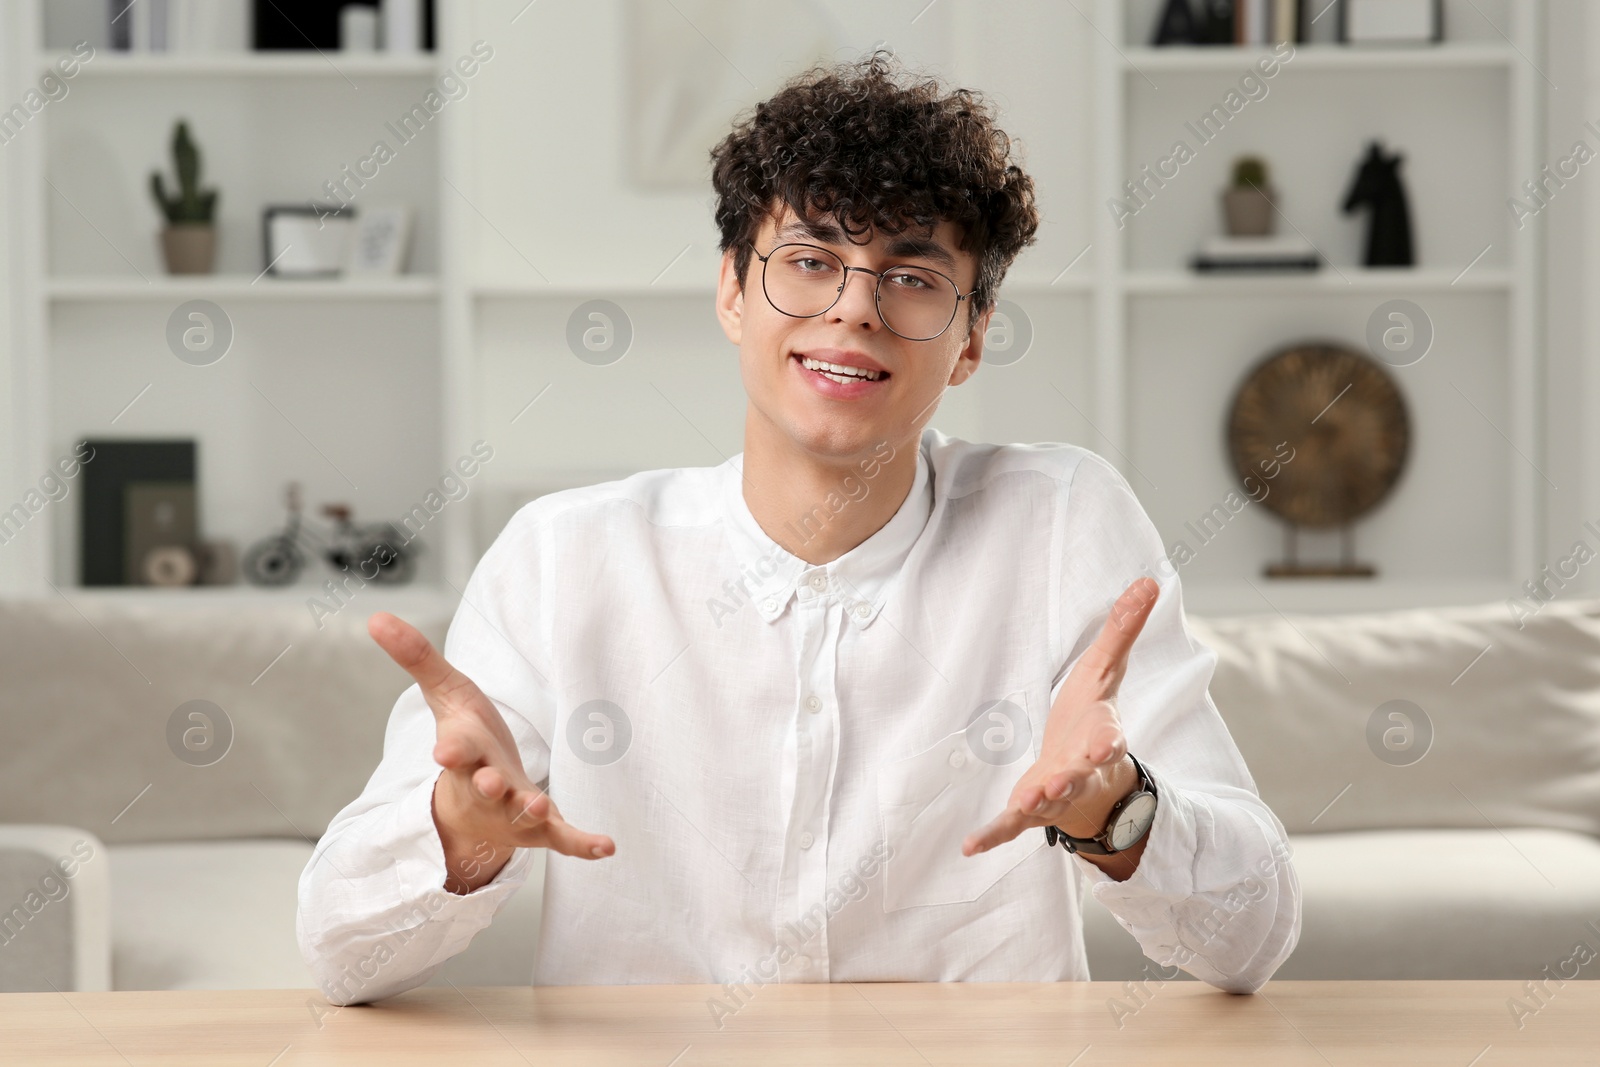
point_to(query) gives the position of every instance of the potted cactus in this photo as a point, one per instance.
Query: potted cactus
(1247, 206)
(189, 240)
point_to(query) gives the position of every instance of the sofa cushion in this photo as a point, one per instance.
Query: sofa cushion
(1449, 904)
(92, 687)
(1514, 708)
(221, 915)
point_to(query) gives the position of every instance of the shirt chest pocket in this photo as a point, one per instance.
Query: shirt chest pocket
(930, 801)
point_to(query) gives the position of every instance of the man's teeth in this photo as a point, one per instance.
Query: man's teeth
(840, 373)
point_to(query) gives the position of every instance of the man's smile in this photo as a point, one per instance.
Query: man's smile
(840, 374)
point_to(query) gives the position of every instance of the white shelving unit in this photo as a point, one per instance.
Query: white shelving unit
(526, 211)
(1466, 115)
(338, 384)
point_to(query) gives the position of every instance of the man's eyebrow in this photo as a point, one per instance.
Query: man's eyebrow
(901, 246)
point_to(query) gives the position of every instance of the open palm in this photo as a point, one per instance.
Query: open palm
(1071, 784)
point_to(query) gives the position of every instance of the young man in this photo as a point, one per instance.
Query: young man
(821, 713)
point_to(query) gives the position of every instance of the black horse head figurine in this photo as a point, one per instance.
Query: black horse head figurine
(1377, 184)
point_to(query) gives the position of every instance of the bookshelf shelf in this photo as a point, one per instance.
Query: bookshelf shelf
(108, 64)
(1326, 281)
(373, 597)
(241, 287)
(1200, 59)
(537, 290)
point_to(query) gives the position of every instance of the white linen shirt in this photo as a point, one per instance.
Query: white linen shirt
(788, 756)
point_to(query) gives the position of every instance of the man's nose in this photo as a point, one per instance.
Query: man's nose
(858, 304)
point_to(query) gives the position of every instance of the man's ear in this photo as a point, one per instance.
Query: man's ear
(730, 299)
(971, 350)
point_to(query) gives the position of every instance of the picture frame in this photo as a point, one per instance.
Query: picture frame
(306, 240)
(103, 516)
(381, 242)
(1391, 22)
(161, 533)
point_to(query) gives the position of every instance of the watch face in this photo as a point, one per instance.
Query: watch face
(1133, 821)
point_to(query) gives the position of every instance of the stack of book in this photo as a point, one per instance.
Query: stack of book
(1268, 255)
(1240, 22)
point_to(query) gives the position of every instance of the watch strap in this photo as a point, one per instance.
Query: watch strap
(1097, 845)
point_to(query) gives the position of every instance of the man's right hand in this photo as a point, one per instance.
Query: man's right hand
(484, 805)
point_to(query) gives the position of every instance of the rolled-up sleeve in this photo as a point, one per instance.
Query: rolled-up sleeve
(1215, 892)
(374, 918)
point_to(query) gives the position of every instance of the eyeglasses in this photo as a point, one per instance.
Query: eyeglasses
(803, 281)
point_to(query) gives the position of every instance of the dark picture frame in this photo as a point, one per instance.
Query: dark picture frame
(102, 539)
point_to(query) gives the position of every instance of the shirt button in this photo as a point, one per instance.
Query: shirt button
(819, 581)
(806, 840)
(957, 758)
(769, 604)
(813, 705)
(863, 609)
(802, 963)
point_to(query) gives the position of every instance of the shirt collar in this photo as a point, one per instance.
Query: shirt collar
(859, 578)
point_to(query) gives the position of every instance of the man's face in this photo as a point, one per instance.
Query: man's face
(818, 414)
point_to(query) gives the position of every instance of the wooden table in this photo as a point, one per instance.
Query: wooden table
(1451, 1024)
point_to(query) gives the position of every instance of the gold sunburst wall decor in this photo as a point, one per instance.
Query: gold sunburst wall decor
(1346, 419)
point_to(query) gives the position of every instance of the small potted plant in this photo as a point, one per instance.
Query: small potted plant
(189, 240)
(1247, 206)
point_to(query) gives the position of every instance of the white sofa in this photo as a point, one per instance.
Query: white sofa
(1480, 860)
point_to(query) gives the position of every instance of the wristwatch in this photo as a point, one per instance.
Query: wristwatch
(1129, 820)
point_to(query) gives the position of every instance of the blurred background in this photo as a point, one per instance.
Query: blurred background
(300, 302)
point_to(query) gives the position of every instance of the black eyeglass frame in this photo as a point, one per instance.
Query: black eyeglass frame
(877, 287)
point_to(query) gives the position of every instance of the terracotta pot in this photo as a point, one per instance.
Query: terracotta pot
(1248, 211)
(189, 247)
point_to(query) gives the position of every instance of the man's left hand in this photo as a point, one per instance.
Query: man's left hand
(1082, 770)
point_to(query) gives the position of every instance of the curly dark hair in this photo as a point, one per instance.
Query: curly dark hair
(850, 141)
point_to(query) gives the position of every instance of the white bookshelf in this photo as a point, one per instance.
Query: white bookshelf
(336, 383)
(1171, 346)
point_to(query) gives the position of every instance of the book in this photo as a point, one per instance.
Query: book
(1285, 21)
(159, 18)
(1285, 253)
(208, 26)
(1251, 22)
(120, 13)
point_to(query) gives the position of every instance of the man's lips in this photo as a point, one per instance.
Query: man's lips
(843, 361)
(836, 380)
